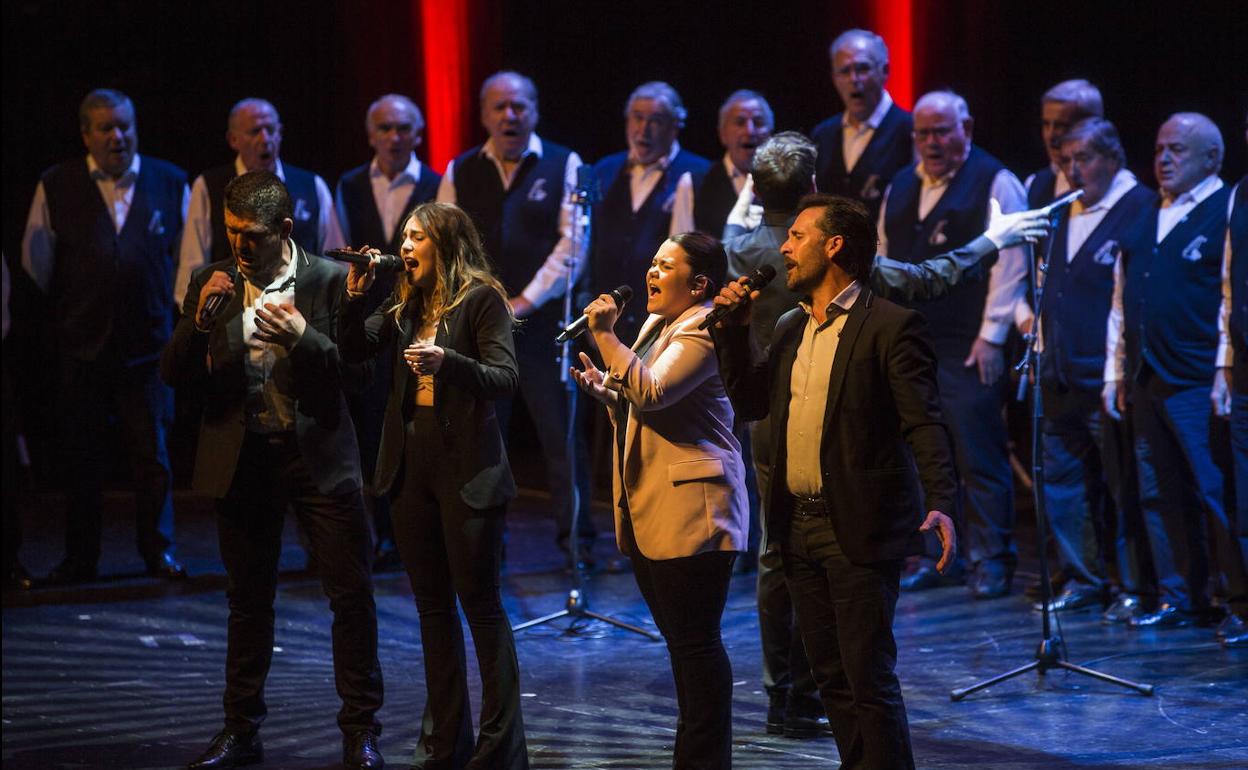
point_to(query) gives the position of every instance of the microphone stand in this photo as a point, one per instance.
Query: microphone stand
(1051, 652)
(576, 606)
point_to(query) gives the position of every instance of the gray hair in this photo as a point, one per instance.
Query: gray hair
(526, 84)
(105, 98)
(1083, 95)
(250, 102)
(782, 169)
(418, 118)
(660, 92)
(1101, 136)
(745, 95)
(944, 98)
(879, 49)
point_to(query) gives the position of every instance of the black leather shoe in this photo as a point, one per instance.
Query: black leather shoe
(1231, 626)
(1076, 596)
(804, 727)
(989, 585)
(71, 571)
(1165, 617)
(1124, 608)
(775, 713)
(167, 567)
(230, 749)
(359, 751)
(16, 578)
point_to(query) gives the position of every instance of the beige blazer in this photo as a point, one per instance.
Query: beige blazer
(683, 479)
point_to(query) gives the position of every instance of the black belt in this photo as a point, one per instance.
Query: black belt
(809, 507)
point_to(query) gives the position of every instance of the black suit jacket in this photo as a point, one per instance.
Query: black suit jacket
(323, 427)
(882, 419)
(478, 368)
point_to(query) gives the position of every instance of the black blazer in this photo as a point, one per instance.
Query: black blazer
(882, 418)
(479, 367)
(323, 427)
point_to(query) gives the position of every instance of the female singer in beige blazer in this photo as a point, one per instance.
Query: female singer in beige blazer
(681, 513)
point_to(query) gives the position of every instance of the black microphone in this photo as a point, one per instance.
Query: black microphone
(384, 261)
(1063, 201)
(620, 294)
(755, 280)
(216, 303)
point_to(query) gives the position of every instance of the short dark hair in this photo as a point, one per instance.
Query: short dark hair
(1101, 136)
(259, 196)
(849, 219)
(106, 98)
(782, 169)
(706, 257)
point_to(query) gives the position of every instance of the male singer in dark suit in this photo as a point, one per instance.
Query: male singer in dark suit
(276, 431)
(862, 148)
(372, 201)
(860, 451)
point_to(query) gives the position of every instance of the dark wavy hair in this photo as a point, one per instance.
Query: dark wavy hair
(849, 219)
(707, 258)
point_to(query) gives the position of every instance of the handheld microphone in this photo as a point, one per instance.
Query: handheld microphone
(384, 261)
(216, 303)
(755, 280)
(1063, 201)
(620, 294)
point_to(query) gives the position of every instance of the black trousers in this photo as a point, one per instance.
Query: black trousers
(845, 612)
(1183, 493)
(12, 471)
(546, 399)
(786, 671)
(91, 393)
(686, 598)
(973, 413)
(453, 551)
(368, 412)
(271, 474)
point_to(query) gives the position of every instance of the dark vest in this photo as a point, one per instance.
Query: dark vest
(519, 225)
(113, 292)
(954, 221)
(1239, 286)
(625, 241)
(890, 149)
(713, 200)
(355, 189)
(302, 188)
(1043, 185)
(1078, 294)
(1172, 293)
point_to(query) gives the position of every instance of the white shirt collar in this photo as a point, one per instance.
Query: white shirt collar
(875, 118)
(534, 148)
(1122, 183)
(661, 163)
(1207, 186)
(240, 169)
(845, 300)
(127, 177)
(410, 173)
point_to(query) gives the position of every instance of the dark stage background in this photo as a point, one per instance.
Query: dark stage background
(321, 63)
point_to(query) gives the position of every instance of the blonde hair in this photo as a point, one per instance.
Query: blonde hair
(460, 265)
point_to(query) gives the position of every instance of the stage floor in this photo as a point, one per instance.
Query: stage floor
(127, 672)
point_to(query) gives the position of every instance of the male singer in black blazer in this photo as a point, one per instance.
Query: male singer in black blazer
(860, 452)
(276, 431)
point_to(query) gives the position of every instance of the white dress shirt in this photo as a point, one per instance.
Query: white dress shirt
(1173, 210)
(855, 138)
(196, 248)
(270, 403)
(642, 179)
(1084, 220)
(390, 196)
(549, 280)
(39, 240)
(1007, 282)
(682, 208)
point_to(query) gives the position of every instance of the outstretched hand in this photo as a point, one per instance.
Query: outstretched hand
(591, 380)
(948, 537)
(1007, 230)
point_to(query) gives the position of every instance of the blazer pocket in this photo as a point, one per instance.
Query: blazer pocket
(695, 470)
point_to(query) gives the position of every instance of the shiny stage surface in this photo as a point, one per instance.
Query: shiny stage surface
(127, 672)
